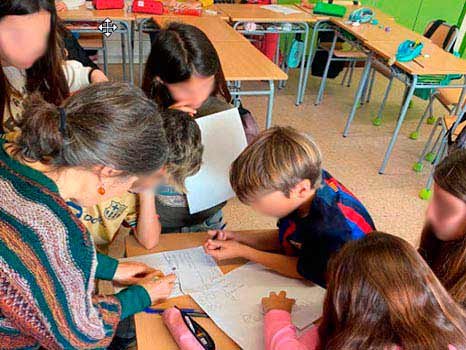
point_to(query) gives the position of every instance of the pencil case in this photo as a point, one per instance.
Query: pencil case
(323, 8)
(148, 6)
(186, 332)
(108, 4)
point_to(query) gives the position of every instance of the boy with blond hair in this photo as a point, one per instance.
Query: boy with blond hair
(280, 175)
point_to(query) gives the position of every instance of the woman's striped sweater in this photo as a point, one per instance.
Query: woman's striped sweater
(48, 264)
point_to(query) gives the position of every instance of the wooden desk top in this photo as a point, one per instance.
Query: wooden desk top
(150, 331)
(242, 61)
(255, 13)
(205, 14)
(371, 32)
(440, 62)
(215, 28)
(84, 14)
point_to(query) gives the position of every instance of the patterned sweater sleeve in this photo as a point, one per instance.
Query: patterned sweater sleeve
(25, 325)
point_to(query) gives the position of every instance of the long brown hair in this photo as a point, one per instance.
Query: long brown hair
(448, 258)
(382, 294)
(179, 51)
(46, 75)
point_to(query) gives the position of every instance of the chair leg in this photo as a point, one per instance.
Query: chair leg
(105, 54)
(371, 86)
(327, 67)
(345, 75)
(353, 64)
(418, 166)
(378, 120)
(426, 192)
(428, 111)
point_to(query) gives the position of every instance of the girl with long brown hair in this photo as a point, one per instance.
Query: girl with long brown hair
(32, 59)
(443, 241)
(381, 296)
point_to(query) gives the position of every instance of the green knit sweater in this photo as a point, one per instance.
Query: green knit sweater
(48, 266)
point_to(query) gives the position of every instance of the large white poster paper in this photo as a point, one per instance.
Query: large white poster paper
(224, 139)
(234, 302)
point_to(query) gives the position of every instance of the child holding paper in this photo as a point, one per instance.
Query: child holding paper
(280, 175)
(183, 72)
(381, 295)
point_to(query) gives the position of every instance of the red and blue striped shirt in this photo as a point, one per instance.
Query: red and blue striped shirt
(335, 217)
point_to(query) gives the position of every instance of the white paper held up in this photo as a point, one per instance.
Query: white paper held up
(224, 139)
(234, 302)
(194, 269)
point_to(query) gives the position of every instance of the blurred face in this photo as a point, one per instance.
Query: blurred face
(23, 39)
(274, 204)
(149, 182)
(114, 183)
(447, 215)
(193, 92)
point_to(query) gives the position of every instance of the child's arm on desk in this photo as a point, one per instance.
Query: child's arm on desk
(149, 228)
(222, 250)
(263, 240)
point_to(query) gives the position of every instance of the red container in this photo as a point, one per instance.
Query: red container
(108, 4)
(148, 6)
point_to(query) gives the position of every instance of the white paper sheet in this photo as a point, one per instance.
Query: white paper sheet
(234, 302)
(224, 139)
(195, 270)
(281, 9)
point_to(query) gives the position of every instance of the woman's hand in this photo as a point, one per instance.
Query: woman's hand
(184, 107)
(158, 288)
(277, 302)
(60, 6)
(132, 272)
(97, 76)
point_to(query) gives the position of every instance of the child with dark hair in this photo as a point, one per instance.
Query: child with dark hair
(183, 72)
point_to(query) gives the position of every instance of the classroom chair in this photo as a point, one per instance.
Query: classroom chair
(337, 52)
(448, 98)
(91, 41)
(444, 36)
(451, 129)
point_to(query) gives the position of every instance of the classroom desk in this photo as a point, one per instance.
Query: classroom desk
(151, 333)
(215, 28)
(241, 61)
(384, 50)
(321, 25)
(122, 18)
(279, 23)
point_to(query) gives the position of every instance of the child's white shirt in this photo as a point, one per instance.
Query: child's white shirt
(76, 75)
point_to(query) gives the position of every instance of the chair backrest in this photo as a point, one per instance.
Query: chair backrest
(442, 34)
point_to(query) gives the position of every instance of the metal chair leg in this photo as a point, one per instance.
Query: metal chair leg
(353, 64)
(419, 165)
(327, 67)
(428, 111)
(378, 120)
